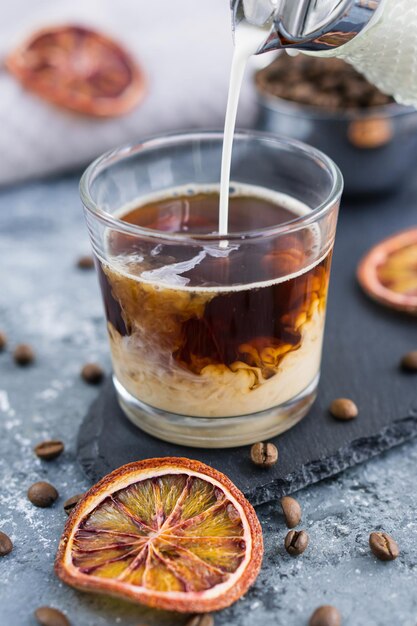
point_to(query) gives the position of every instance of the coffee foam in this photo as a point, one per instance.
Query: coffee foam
(170, 277)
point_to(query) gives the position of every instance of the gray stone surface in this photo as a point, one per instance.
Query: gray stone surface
(45, 300)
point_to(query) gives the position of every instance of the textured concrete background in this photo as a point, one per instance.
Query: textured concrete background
(47, 301)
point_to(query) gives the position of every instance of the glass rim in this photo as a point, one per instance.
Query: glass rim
(129, 150)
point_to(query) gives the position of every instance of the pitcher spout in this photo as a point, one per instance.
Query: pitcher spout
(309, 25)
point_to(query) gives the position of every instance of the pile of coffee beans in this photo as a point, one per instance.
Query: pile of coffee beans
(329, 84)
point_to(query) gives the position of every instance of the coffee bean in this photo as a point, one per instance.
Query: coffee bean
(343, 409)
(264, 454)
(291, 510)
(3, 340)
(92, 373)
(42, 494)
(49, 450)
(325, 615)
(23, 354)
(47, 616)
(409, 362)
(6, 544)
(201, 620)
(296, 542)
(383, 546)
(85, 262)
(69, 504)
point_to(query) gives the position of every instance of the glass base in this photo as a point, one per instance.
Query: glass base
(218, 432)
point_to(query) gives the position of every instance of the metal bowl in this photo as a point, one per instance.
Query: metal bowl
(376, 149)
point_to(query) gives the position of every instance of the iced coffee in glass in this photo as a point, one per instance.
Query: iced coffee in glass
(216, 340)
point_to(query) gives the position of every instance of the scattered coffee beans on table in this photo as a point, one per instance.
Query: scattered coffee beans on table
(85, 262)
(42, 494)
(343, 409)
(6, 544)
(3, 340)
(23, 354)
(49, 450)
(201, 620)
(296, 542)
(326, 615)
(264, 454)
(383, 546)
(47, 616)
(92, 373)
(71, 502)
(409, 362)
(292, 511)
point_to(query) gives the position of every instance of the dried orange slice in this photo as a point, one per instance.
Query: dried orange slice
(169, 533)
(388, 273)
(79, 69)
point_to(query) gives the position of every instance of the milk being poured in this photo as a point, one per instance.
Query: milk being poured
(247, 41)
(385, 52)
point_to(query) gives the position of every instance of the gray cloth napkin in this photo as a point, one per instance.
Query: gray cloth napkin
(185, 47)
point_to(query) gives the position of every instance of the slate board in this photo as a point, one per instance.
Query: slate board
(363, 345)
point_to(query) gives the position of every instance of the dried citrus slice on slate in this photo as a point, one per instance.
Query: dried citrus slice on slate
(388, 273)
(79, 69)
(169, 533)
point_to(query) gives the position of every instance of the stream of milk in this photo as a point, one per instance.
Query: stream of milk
(247, 41)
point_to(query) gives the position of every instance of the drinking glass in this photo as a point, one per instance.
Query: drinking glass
(216, 340)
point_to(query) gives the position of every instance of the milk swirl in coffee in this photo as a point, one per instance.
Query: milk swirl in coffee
(223, 332)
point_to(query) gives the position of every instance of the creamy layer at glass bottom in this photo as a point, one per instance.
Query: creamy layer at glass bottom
(217, 391)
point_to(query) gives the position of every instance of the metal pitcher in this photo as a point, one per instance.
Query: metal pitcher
(310, 25)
